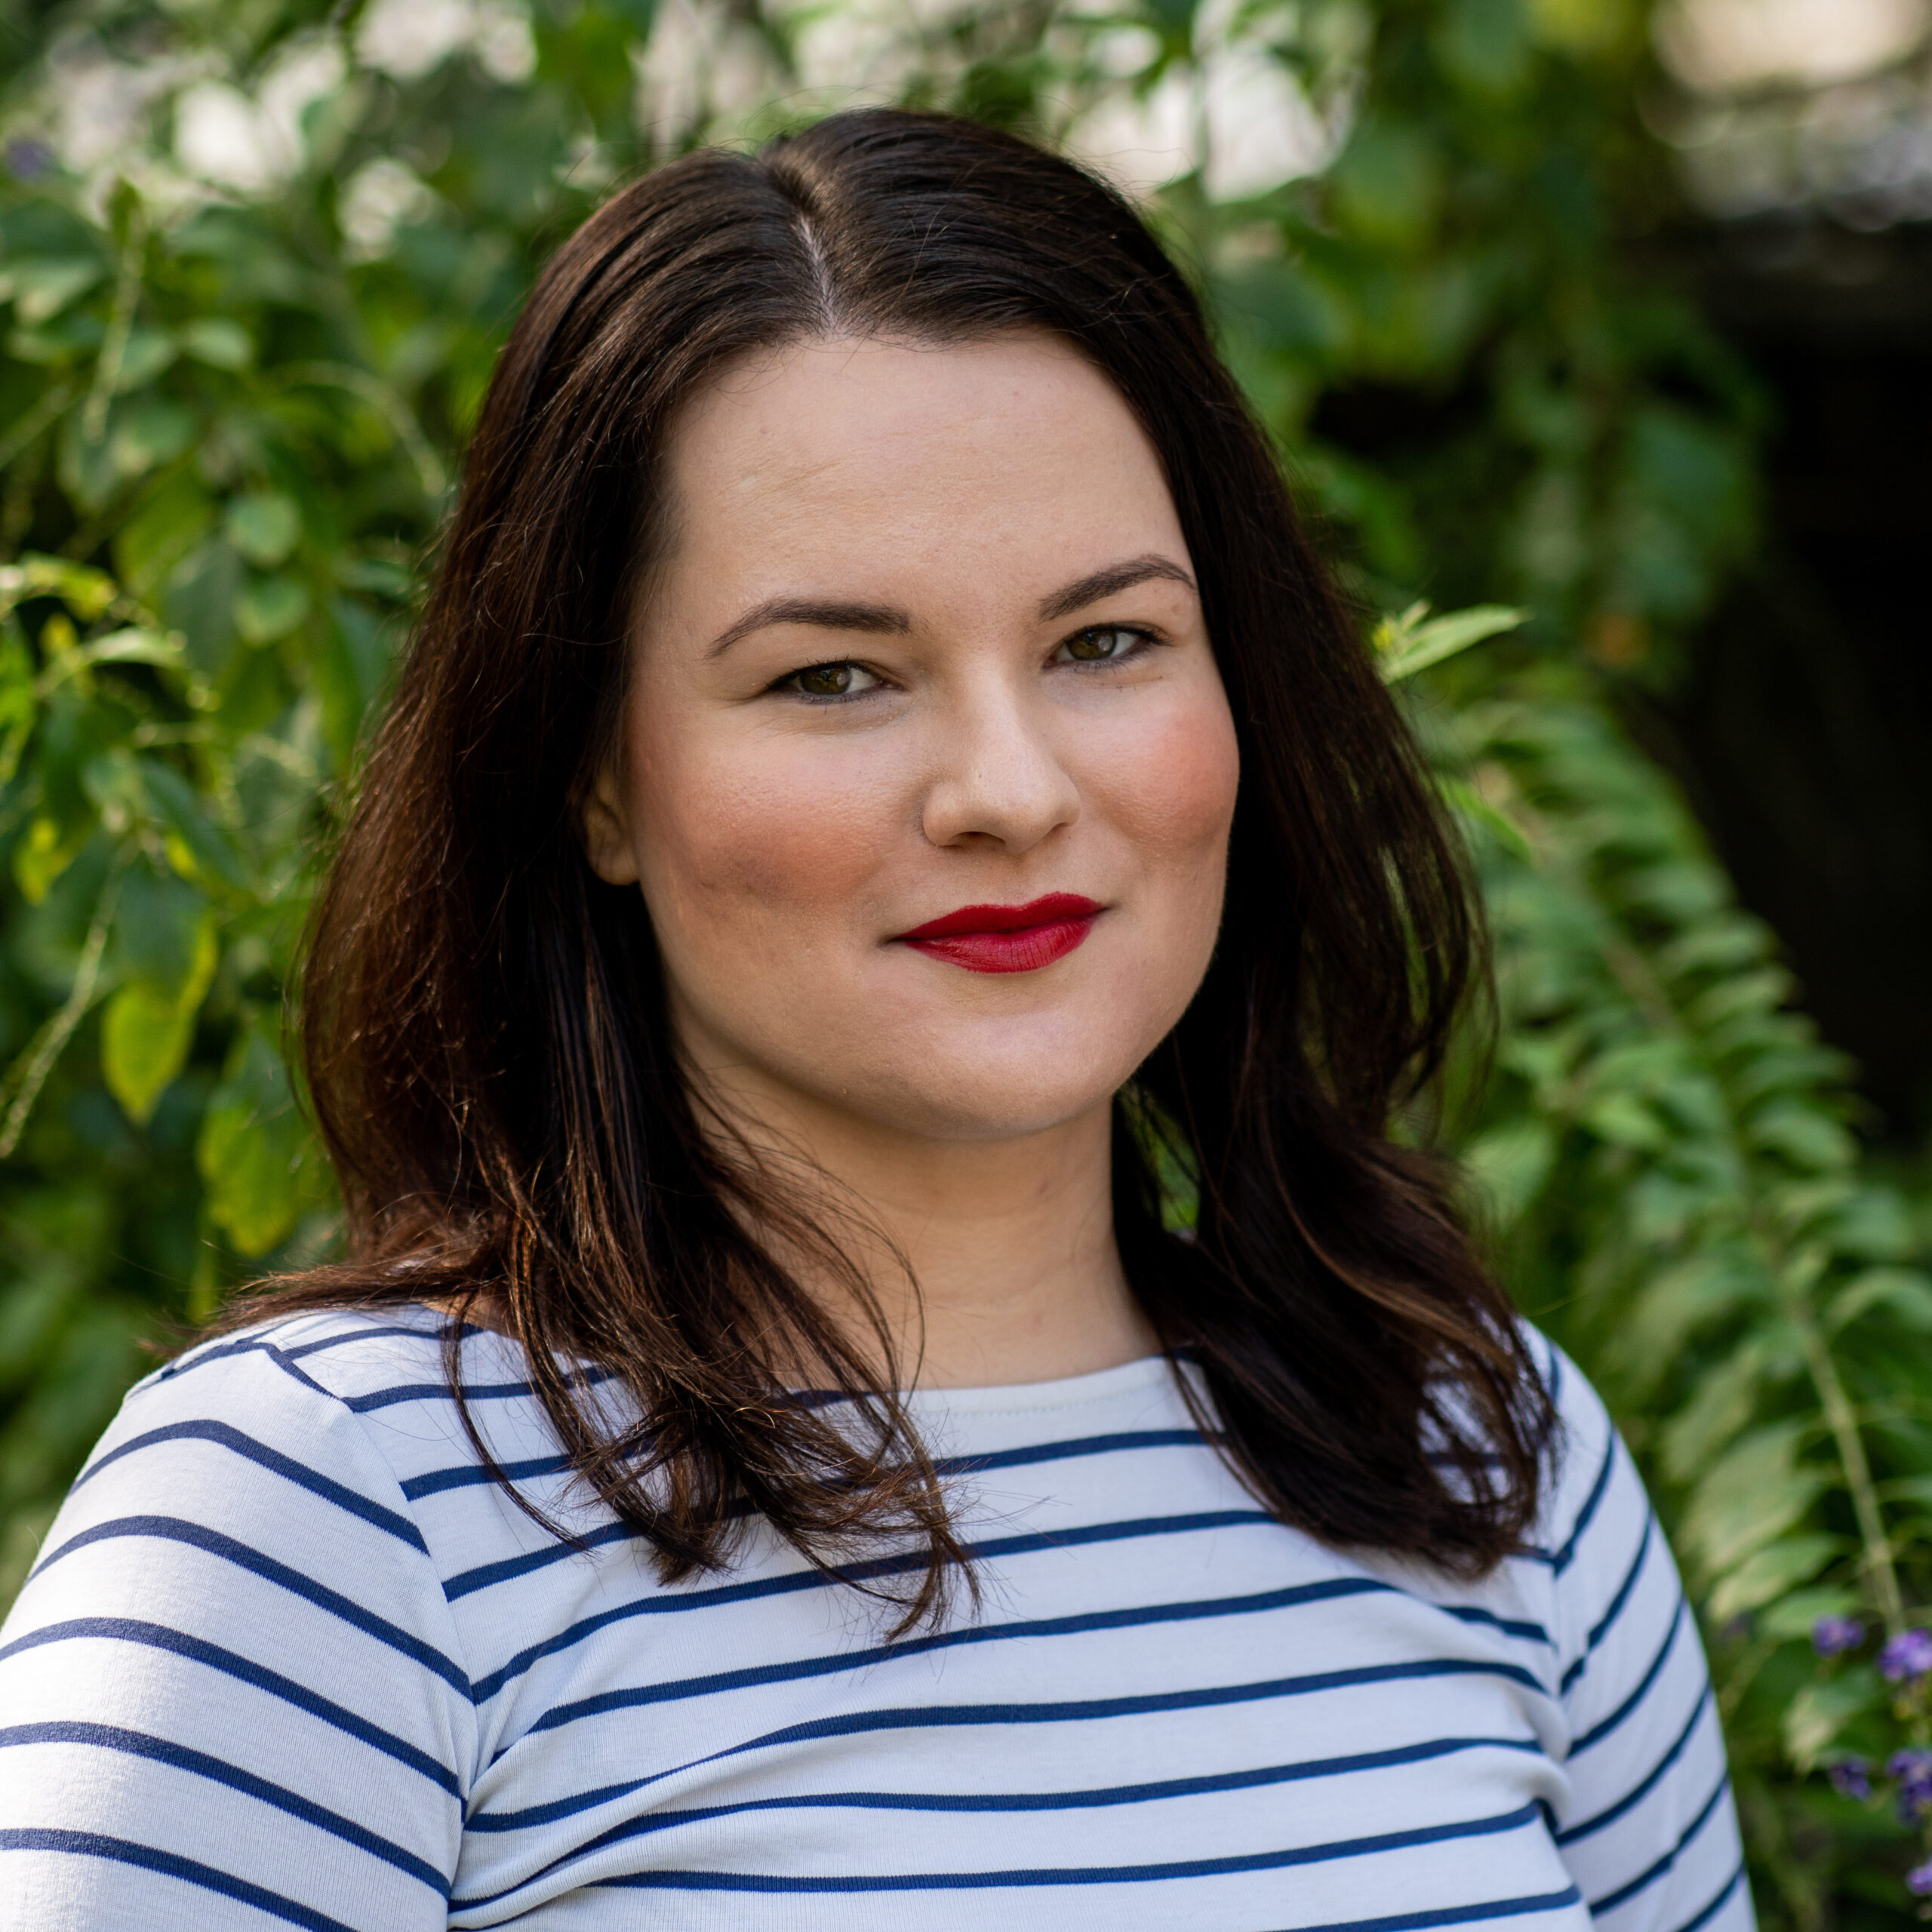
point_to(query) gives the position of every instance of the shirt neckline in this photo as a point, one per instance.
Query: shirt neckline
(1096, 1385)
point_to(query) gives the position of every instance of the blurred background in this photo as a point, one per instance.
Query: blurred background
(1611, 319)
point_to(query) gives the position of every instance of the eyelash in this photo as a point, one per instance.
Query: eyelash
(1143, 638)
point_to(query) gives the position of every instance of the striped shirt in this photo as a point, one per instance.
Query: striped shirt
(289, 1658)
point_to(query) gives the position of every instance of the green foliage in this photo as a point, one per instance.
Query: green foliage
(1664, 1158)
(246, 336)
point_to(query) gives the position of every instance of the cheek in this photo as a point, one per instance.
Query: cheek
(731, 839)
(1172, 795)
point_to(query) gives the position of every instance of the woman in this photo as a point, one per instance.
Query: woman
(887, 870)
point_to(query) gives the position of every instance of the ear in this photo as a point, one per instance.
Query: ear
(604, 826)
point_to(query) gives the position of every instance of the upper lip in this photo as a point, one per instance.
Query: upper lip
(1042, 911)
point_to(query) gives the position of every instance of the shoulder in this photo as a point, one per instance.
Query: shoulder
(343, 1355)
(1585, 1457)
(256, 1436)
(1613, 1585)
(343, 1397)
(302, 1432)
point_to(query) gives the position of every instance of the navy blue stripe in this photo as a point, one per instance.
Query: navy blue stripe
(1452, 1914)
(473, 1392)
(466, 1582)
(1624, 1894)
(296, 1372)
(581, 1632)
(791, 1581)
(259, 1343)
(507, 1569)
(1615, 1606)
(1560, 1558)
(227, 1437)
(1596, 1734)
(434, 1391)
(959, 1716)
(438, 1327)
(1710, 1911)
(172, 1529)
(465, 1475)
(1510, 1626)
(159, 1637)
(839, 1663)
(1642, 1790)
(217, 1770)
(191, 1870)
(1100, 1874)
(1096, 1799)
(1071, 1447)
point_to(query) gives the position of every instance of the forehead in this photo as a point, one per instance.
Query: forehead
(1015, 442)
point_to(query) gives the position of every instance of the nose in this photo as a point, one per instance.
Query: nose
(998, 779)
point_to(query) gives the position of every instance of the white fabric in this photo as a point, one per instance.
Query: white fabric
(287, 1659)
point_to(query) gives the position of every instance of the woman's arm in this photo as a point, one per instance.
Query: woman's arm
(230, 1694)
(1649, 1831)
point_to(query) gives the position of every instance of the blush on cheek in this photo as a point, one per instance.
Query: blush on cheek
(731, 851)
(1174, 796)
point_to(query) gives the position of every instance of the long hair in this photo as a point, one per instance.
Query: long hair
(483, 1019)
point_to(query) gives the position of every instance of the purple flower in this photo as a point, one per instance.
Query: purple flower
(29, 160)
(1918, 1881)
(1831, 1635)
(1906, 1655)
(1851, 1778)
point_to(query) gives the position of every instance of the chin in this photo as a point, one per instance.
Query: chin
(983, 1099)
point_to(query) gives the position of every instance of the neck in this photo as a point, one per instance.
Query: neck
(1010, 1242)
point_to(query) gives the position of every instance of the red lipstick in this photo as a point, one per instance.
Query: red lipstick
(1007, 939)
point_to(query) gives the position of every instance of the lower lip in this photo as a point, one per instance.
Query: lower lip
(1026, 951)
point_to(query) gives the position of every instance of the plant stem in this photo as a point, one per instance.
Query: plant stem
(1842, 1419)
(30, 1072)
(120, 326)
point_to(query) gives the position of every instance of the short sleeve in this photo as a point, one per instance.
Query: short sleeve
(1649, 1831)
(231, 1692)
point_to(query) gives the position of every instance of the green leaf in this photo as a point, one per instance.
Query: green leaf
(162, 532)
(39, 290)
(263, 526)
(20, 703)
(219, 341)
(1770, 1572)
(148, 435)
(1904, 1292)
(43, 854)
(1406, 645)
(252, 1149)
(88, 592)
(1754, 1491)
(147, 1028)
(1796, 1615)
(269, 607)
(1821, 1711)
(181, 812)
(159, 926)
(1508, 1164)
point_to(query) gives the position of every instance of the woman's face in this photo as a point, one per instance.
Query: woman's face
(924, 638)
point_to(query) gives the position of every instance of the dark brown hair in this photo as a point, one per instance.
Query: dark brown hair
(483, 1020)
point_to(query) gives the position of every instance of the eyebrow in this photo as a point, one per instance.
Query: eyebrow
(885, 619)
(827, 615)
(1106, 582)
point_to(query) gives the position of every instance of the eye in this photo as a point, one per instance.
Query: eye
(1105, 644)
(828, 681)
